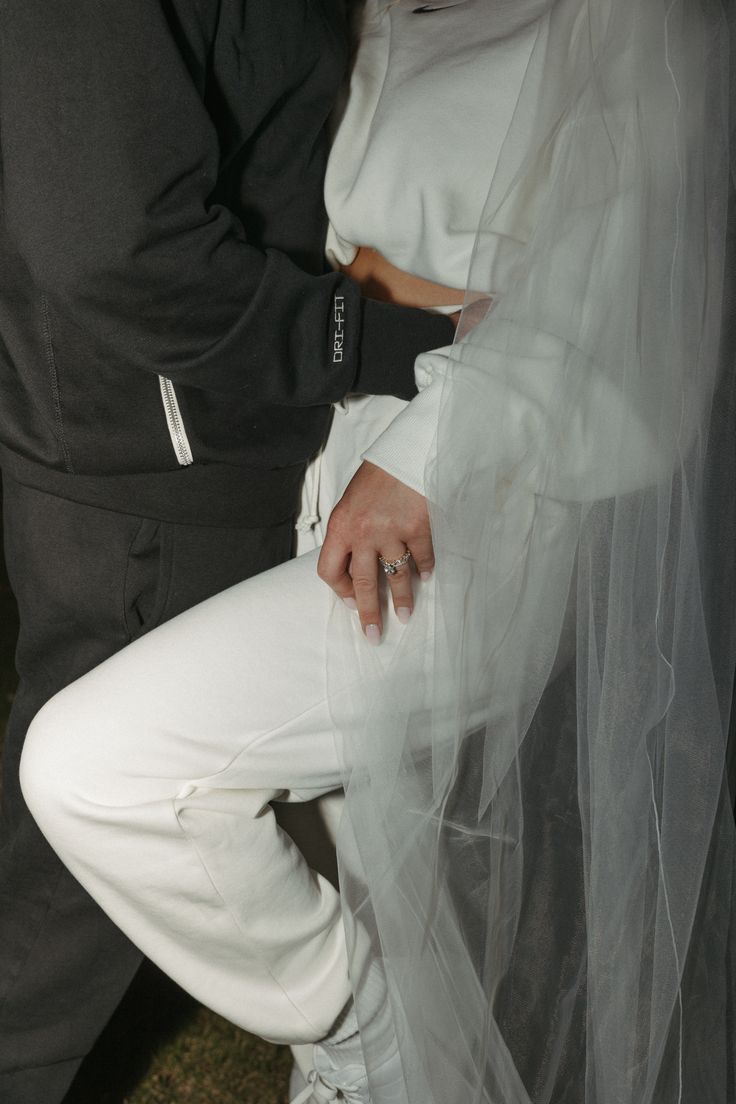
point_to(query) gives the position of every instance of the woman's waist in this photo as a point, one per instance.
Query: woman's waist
(380, 279)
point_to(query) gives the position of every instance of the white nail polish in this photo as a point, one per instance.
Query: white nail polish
(350, 603)
(373, 634)
(403, 613)
(425, 576)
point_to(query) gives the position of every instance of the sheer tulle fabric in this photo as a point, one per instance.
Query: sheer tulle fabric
(538, 844)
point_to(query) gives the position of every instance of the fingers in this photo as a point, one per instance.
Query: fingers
(400, 585)
(356, 578)
(364, 569)
(402, 582)
(377, 515)
(353, 575)
(422, 552)
(333, 567)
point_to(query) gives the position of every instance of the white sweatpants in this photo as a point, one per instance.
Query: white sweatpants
(153, 778)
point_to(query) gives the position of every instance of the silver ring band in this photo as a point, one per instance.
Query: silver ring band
(392, 566)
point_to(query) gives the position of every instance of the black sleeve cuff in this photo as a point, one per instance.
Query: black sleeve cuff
(391, 339)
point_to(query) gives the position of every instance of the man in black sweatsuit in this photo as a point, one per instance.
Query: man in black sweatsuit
(169, 350)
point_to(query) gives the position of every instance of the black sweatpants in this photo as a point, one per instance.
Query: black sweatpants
(87, 582)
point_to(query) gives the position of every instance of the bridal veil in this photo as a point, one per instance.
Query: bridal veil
(538, 840)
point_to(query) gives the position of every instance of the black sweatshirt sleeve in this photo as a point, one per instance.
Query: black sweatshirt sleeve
(110, 161)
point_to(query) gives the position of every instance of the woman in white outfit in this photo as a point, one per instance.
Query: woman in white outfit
(536, 831)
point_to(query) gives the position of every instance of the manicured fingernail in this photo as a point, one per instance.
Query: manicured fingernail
(373, 634)
(425, 576)
(350, 603)
(403, 613)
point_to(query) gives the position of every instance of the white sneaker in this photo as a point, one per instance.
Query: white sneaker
(326, 1083)
(316, 1092)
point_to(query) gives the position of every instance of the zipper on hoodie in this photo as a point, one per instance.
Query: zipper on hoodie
(177, 432)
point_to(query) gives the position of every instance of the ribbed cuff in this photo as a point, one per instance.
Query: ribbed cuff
(391, 339)
(403, 447)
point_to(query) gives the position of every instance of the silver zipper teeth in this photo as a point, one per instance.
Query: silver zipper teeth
(174, 421)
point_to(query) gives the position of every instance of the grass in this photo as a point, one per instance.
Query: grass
(212, 1060)
(161, 1047)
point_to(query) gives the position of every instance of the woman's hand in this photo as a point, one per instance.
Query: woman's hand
(377, 516)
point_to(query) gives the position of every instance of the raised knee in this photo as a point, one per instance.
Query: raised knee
(53, 768)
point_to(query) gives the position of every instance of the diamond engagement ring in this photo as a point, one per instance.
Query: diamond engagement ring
(392, 566)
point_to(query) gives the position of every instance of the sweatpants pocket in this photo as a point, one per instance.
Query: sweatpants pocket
(147, 577)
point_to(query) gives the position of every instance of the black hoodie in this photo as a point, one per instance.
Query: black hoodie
(169, 342)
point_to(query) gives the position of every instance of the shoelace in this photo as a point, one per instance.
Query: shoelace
(316, 1090)
(313, 477)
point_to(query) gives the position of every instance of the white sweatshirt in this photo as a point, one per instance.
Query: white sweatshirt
(432, 96)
